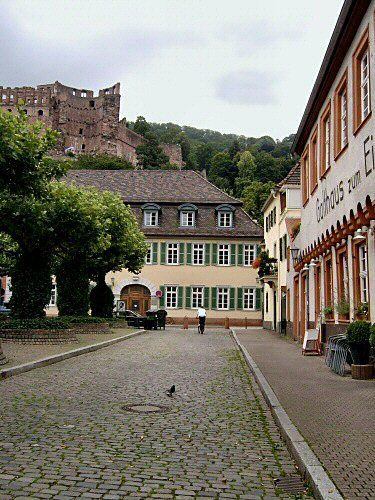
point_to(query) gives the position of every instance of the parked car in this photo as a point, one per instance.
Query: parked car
(134, 319)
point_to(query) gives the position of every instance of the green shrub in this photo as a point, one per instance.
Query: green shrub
(36, 324)
(83, 320)
(359, 332)
(372, 336)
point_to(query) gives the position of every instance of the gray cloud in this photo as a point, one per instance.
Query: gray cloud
(92, 62)
(256, 36)
(249, 87)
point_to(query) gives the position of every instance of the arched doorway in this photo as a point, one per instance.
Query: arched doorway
(136, 297)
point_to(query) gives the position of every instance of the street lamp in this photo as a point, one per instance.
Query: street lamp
(312, 263)
(295, 254)
(358, 235)
(306, 267)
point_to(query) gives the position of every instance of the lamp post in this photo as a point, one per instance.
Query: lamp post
(295, 254)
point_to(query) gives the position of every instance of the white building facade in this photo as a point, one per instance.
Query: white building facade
(333, 276)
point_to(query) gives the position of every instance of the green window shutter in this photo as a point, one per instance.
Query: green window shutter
(162, 253)
(233, 254)
(180, 297)
(162, 298)
(214, 254)
(182, 253)
(206, 297)
(258, 299)
(155, 253)
(207, 254)
(188, 253)
(240, 255)
(232, 298)
(213, 298)
(258, 250)
(239, 298)
(187, 297)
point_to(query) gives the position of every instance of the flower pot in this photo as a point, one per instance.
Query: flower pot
(360, 352)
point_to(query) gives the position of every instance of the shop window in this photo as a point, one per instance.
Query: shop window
(343, 284)
(314, 161)
(325, 140)
(361, 82)
(328, 286)
(341, 114)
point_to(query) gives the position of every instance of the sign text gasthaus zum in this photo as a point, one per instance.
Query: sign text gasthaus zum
(330, 199)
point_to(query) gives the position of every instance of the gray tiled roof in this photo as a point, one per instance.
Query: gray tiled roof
(293, 177)
(170, 189)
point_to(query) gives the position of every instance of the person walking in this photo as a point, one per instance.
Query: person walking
(201, 315)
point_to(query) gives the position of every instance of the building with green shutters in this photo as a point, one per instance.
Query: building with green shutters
(202, 246)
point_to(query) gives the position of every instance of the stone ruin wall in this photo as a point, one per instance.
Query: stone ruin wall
(87, 124)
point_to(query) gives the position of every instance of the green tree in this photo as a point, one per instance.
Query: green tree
(100, 162)
(141, 126)
(219, 172)
(254, 196)
(150, 155)
(246, 171)
(203, 154)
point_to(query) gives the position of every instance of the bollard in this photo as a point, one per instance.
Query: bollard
(246, 322)
(186, 323)
(226, 323)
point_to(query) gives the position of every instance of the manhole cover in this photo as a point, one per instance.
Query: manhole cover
(290, 484)
(145, 408)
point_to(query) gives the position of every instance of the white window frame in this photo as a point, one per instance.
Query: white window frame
(365, 85)
(249, 298)
(187, 218)
(199, 249)
(363, 273)
(171, 296)
(151, 218)
(148, 258)
(175, 254)
(249, 254)
(197, 296)
(225, 219)
(222, 298)
(223, 250)
(53, 299)
(344, 114)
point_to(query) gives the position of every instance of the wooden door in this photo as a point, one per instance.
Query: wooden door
(296, 308)
(138, 298)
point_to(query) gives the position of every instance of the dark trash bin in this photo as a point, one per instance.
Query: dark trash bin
(151, 321)
(162, 316)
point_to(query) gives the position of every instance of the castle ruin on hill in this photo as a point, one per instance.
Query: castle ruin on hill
(87, 124)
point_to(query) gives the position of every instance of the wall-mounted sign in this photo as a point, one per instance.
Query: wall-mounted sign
(159, 293)
(329, 199)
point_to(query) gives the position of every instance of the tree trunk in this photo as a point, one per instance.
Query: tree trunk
(101, 299)
(3, 358)
(31, 285)
(72, 290)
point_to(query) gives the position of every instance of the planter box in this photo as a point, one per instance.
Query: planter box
(37, 336)
(363, 372)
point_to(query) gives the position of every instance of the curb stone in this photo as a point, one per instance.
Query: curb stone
(56, 358)
(306, 459)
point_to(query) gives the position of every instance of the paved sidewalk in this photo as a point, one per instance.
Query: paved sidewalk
(64, 432)
(336, 415)
(18, 354)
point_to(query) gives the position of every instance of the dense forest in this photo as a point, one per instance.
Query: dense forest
(246, 167)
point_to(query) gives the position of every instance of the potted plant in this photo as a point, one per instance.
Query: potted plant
(343, 308)
(362, 310)
(328, 311)
(358, 335)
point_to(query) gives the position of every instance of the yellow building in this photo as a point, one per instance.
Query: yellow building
(202, 245)
(282, 211)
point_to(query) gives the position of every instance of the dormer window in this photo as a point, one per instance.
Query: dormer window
(225, 216)
(187, 215)
(151, 214)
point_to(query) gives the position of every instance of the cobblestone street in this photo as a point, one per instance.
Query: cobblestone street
(65, 434)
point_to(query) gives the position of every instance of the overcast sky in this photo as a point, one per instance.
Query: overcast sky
(241, 66)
